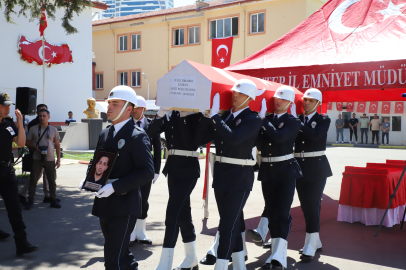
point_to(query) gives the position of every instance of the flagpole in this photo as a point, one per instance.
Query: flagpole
(43, 68)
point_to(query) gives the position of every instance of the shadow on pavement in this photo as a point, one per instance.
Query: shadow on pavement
(340, 240)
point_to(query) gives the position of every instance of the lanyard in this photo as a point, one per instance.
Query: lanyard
(39, 132)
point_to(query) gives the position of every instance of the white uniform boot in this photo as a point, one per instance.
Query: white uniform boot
(239, 260)
(244, 246)
(139, 233)
(190, 262)
(221, 264)
(312, 244)
(210, 258)
(258, 235)
(166, 259)
(279, 252)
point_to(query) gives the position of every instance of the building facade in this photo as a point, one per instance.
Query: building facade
(153, 43)
(120, 8)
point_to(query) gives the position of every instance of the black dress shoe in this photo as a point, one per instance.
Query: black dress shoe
(4, 235)
(209, 260)
(29, 205)
(189, 268)
(55, 204)
(23, 200)
(267, 245)
(256, 237)
(145, 242)
(48, 200)
(317, 250)
(25, 247)
(272, 265)
(306, 258)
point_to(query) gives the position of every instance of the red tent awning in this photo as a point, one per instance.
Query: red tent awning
(353, 45)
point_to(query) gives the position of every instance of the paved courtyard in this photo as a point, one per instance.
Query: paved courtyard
(70, 238)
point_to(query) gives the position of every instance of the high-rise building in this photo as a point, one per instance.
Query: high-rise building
(130, 7)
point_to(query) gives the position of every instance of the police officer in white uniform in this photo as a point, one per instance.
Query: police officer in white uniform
(234, 134)
(118, 203)
(278, 172)
(310, 150)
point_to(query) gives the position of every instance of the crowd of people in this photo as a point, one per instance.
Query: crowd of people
(364, 123)
(122, 203)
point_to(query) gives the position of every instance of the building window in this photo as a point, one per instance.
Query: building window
(396, 123)
(194, 35)
(99, 81)
(135, 42)
(178, 37)
(226, 27)
(122, 78)
(257, 22)
(135, 79)
(122, 43)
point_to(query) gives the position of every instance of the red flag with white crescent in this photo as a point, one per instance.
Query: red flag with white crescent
(399, 107)
(350, 106)
(339, 106)
(43, 22)
(361, 107)
(385, 107)
(373, 107)
(221, 52)
(329, 106)
(54, 54)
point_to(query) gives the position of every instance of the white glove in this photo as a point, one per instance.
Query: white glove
(184, 114)
(81, 184)
(105, 191)
(215, 108)
(155, 178)
(263, 110)
(162, 112)
(293, 110)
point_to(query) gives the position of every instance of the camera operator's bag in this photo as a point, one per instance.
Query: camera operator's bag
(27, 158)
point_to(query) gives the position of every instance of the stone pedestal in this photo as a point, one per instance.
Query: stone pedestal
(95, 125)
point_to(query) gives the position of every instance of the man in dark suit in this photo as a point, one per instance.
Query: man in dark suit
(278, 171)
(117, 204)
(234, 135)
(183, 170)
(139, 232)
(310, 150)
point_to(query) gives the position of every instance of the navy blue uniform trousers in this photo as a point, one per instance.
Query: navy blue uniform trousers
(278, 200)
(310, 193)
(230, 205)
(178, 213)
(145, 191)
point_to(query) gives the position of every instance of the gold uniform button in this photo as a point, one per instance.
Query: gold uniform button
(221, 151)
(221, 142)
(303, 151)
(271, 164)
(270, 154)
(214, 129)
(270, 144)
(303, 159)
(303, 142)
(171, 145)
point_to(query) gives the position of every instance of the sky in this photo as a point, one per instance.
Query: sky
(180, 3)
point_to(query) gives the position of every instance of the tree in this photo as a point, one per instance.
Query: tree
(32, 9)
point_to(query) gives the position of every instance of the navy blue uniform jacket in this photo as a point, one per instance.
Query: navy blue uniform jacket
(134, 168)
(234, 140)
(313, 137)
(179, 134)
(276, 138)
(155, 144)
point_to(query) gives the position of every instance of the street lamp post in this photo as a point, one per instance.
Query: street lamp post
(143, 74)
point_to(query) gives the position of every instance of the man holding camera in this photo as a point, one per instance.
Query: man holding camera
(44, 138)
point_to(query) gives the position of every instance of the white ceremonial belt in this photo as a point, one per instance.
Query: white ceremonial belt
(310, 154)
(184, 153)
(277, 159)
(109, 181)
(236, 161)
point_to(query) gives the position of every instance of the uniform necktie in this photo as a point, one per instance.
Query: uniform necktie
(230, 118)
(110, 137)
(139, 123)
(306, 119)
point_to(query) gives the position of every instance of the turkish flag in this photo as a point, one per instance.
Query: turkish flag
(329, 106)
(361, 107)
(373, 107)
(385, 107)
(398, 107)
(54, 54)
(350, 106)
(221, 52)
(339, 106)
(43, 22)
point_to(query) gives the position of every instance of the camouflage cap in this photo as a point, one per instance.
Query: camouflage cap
(5, 99)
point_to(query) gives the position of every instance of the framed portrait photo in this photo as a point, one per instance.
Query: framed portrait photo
(100, 171)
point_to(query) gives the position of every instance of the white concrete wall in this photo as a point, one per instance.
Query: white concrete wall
(395, 137)
(68, 86)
